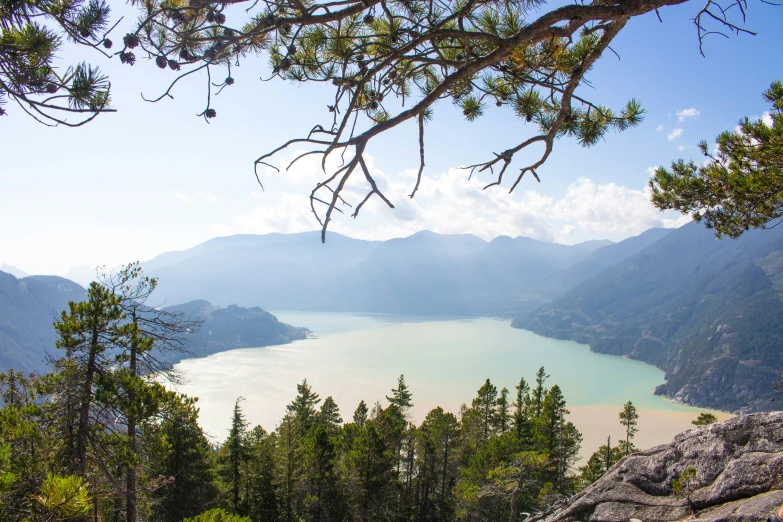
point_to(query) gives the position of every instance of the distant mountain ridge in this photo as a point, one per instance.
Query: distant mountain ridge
(29, 307)
(708, 312)
(426, 273)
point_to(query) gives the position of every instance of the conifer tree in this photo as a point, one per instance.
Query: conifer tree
(87, 331)
(521, 410)
(329, 416)
(360, 415)
(486, 405)
(261, 493)
(539, 392)
(629, 418)
(235, 454)
(503, 417)
(557, 437)
(401, 396)
(741, 184)
(705, 419)
(182, 452)
(289, 463)
(303, 406)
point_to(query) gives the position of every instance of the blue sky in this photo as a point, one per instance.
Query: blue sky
(154, 177)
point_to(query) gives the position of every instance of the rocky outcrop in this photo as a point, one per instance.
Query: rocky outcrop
(738, 477)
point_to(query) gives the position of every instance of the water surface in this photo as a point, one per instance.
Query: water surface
(445, 360)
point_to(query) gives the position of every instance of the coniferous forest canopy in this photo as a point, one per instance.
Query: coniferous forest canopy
(102, 437)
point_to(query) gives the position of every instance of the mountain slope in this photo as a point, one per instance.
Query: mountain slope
(274, 271)
(707, 312)
(16, 272)
(600, 259)
(28, 308)
(426, 273)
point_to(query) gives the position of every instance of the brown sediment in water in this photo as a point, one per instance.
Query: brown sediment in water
(655, 426)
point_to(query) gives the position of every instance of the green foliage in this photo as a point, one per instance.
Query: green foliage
(303, 406)
(31, 36)
(741, 184)
(705, 419)
(217, 515)
(629, 418)
(62, 498)
(686, 483)
(401, 396)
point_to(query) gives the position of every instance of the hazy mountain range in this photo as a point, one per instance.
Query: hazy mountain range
(29, 306)
(426, 273)
(708, 312)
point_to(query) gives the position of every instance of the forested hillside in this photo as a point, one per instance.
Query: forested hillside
(28, 309)
(708, 312)
(222, 329)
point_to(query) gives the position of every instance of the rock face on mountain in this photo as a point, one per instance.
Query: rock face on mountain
(738, 477)
(708, 312)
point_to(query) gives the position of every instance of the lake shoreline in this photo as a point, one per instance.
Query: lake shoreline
(358, 357)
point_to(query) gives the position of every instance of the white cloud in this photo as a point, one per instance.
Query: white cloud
(450, 203)
(682, 147)
(686, 113)
(673, 135)
(659, 128)
(651, 171)
(767, 119)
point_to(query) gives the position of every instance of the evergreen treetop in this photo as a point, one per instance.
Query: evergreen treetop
(741, 184)
(401, 395)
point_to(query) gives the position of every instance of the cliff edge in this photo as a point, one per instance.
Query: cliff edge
(738, 477)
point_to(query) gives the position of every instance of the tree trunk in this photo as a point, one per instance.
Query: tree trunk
(443, 480)
(130, 494)
(86, 402)
(515, 497)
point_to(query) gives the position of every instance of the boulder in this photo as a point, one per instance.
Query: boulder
(738, 477)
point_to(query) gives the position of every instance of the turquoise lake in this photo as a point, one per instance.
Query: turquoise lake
(445, 360)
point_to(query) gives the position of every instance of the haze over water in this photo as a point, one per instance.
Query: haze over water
(359, 356)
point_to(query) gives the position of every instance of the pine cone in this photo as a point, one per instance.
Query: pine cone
(229, 81)
(51, 88)
(291, 50)
(107, 43)
(84, 32)
(369, 19)
(220, 18)
(161, 62)
(286, 29)
(130, 40)
(173, 65)
(128, 58)
(285, 64)
(359, 58)
(210, 113)
(392, 74)
(185, 55)
(373, 105)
